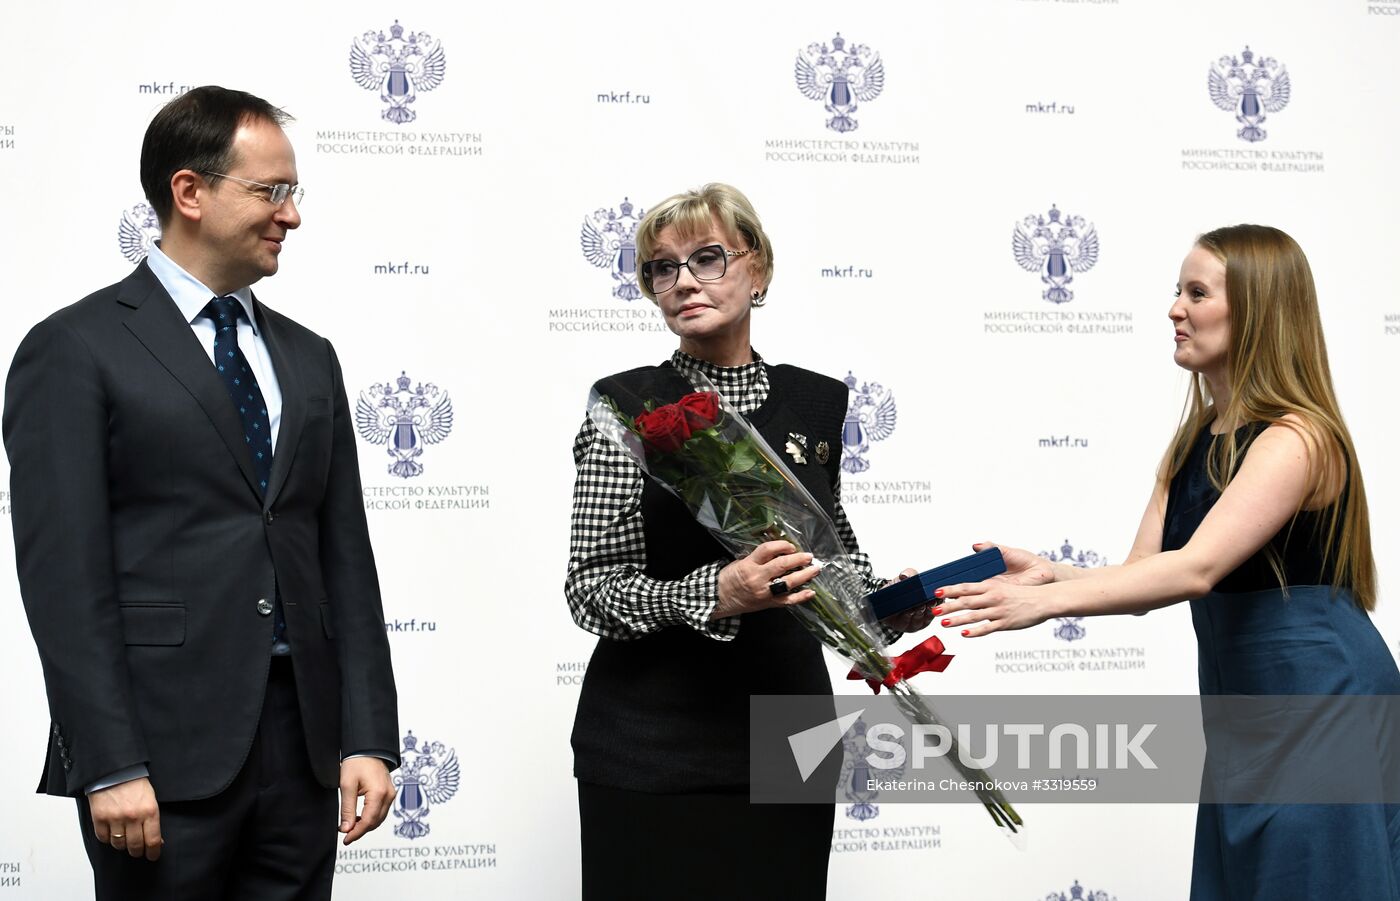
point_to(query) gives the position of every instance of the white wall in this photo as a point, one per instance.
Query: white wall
(507, 320)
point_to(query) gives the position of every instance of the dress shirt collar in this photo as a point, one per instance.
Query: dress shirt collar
(189, 294)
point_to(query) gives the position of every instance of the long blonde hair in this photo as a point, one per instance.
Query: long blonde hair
(1278, 365)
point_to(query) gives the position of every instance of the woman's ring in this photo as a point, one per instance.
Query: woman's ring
(778, 587)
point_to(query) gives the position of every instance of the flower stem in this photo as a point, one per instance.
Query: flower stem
(847, 638)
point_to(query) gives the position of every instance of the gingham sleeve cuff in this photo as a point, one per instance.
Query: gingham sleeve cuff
(695, 598)
(888, 635)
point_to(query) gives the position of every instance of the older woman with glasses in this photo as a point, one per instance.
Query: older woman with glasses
(686, 632)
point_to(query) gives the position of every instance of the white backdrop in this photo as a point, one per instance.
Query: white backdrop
(456, 240)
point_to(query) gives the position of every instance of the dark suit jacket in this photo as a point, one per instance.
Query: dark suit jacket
(143, 548)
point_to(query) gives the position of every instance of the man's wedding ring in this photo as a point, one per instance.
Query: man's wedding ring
(778, 587)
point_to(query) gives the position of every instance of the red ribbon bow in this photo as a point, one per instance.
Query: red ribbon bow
(923, 658)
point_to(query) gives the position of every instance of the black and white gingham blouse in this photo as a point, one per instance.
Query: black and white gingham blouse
(608, 593)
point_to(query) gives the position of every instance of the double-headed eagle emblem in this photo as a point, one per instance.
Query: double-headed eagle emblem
(1071, 628)
(840, 78)
(609, 241)
(403, 418)
(1056, 246)
(137, 231)
(1081, 558)
(430, 774)
(398, 67)
(855, 774)
(1077, 893)
(1249, 88)
(870, 416)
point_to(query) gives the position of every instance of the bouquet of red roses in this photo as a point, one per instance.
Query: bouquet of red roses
(703, 451)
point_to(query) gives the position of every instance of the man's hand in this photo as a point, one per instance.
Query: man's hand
(127, 817)
(366, 777)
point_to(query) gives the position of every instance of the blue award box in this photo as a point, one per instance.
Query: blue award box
(897, 597)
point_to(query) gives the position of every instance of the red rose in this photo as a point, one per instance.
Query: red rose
(701, 409)
(664, 428)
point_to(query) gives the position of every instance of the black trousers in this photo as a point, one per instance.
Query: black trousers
(270, 836)
(700, 846)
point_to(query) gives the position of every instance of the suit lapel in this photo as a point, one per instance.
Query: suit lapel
(293, 385)
(156, 322)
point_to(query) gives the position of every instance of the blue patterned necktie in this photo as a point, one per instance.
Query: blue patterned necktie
(243, 389)
(247, 398)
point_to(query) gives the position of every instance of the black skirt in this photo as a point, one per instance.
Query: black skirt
(701, 846)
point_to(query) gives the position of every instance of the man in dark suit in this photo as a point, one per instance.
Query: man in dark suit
(192, 546)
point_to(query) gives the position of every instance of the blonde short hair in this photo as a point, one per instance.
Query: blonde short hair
(694, 212)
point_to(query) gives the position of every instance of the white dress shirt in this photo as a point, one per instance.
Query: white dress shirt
(191, 296)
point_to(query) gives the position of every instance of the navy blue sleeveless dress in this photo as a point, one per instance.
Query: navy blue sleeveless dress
(1255, 641)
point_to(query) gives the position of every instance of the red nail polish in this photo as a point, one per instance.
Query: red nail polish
(947, 622)
(937, 611)
(938, 593)
(965, 633)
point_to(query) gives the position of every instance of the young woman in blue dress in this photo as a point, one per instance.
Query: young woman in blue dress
(1259, 520)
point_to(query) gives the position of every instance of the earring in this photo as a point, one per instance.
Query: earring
(758, 299)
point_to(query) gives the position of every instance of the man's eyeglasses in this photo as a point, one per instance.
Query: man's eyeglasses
(707, 264)
(276, 194)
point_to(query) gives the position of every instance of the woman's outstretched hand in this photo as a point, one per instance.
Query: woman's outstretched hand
(1008, 601)
(993, 605)
(1022, 567)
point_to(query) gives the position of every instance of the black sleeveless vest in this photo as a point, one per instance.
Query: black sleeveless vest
(669, 712)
